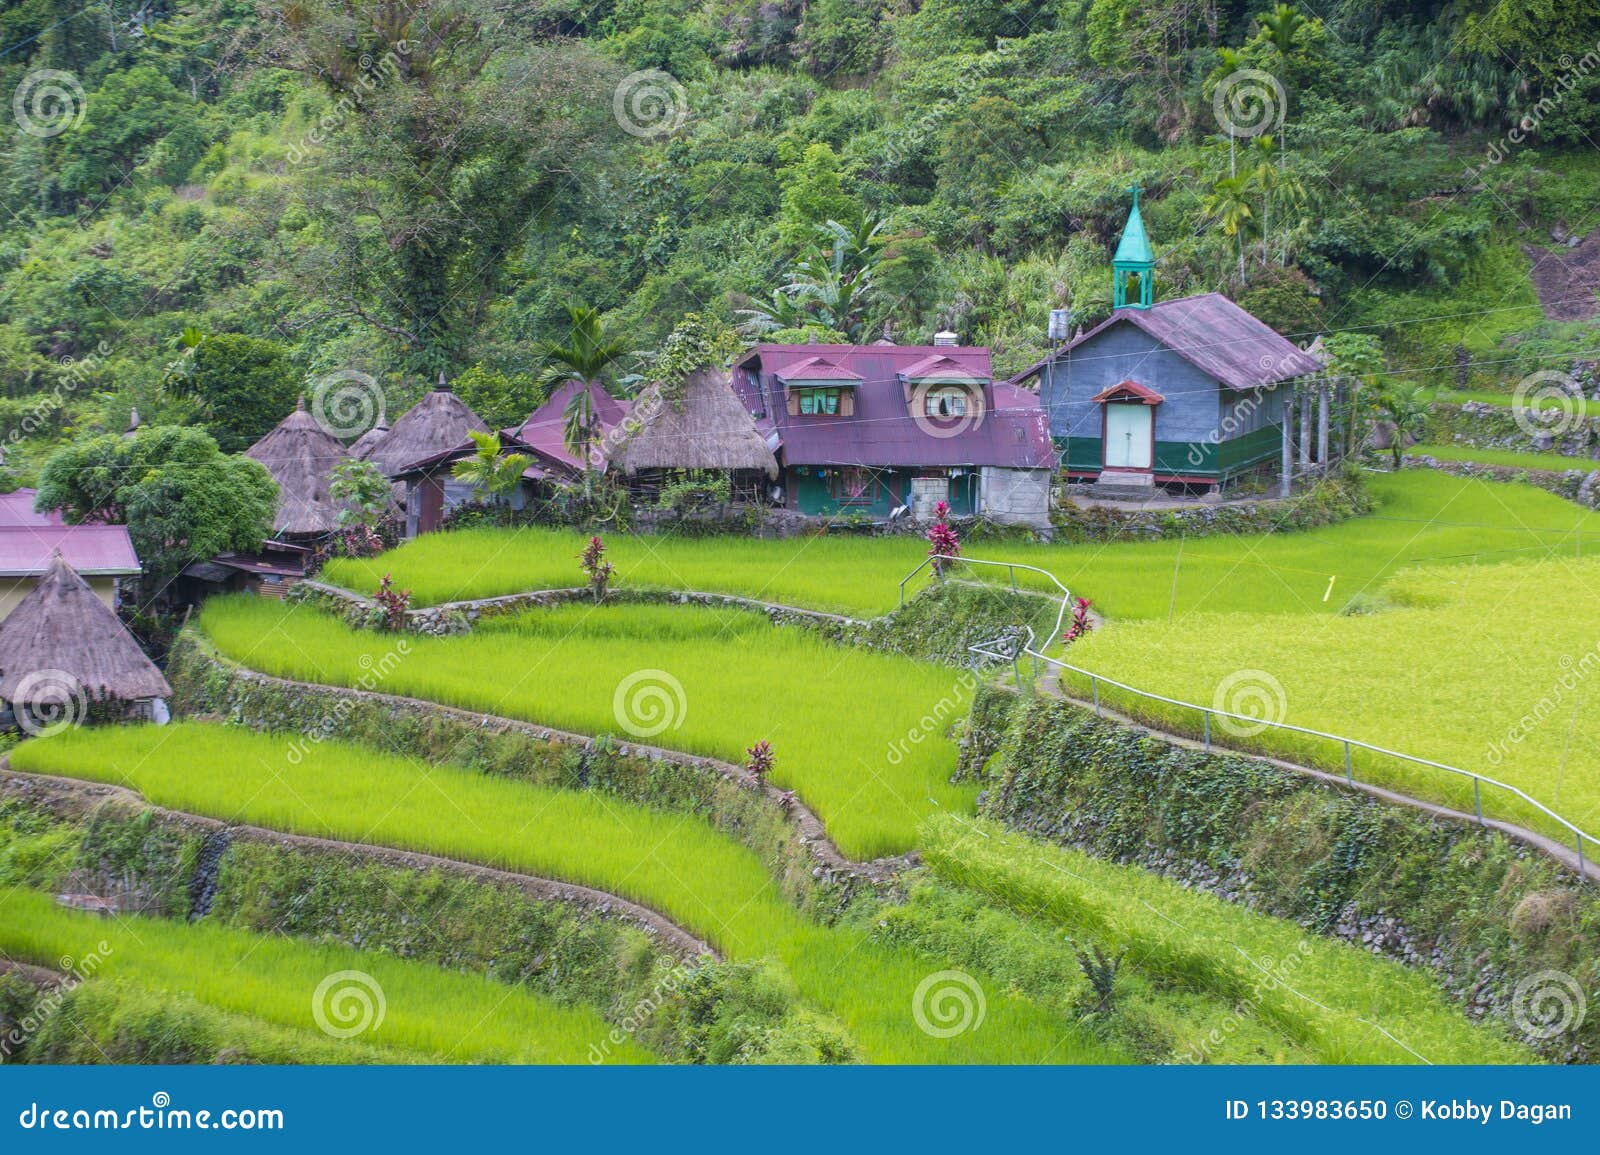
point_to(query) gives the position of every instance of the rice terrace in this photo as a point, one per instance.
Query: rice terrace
(830, 534)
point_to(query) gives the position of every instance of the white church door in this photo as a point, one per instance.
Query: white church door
(1128, 436)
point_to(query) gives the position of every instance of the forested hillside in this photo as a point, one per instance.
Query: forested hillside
(210, 203)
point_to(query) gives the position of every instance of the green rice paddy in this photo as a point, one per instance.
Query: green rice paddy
(711, 682)
(672, 863)
(429, 1015)
(1494, 669)
(1326, 1001)
(1552, 462)
(1421, 518)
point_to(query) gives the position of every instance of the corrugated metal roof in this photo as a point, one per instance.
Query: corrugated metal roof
(16, 509)
(94, 550)
(1213, 334)
(545, 428)
(887, 429)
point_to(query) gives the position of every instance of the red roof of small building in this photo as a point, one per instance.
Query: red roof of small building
(887, 429)
(16, 509)
(545, 428)
(91, 550)
(817, 369)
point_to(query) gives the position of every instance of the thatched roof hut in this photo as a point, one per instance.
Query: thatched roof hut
(708, 428)
(301, 456)
(439, 422)
(61, 634)
(362, 447)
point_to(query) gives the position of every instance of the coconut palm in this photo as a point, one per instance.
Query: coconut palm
(491, 471)
(584, 357)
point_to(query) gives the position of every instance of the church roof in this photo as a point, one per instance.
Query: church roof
(1134, 248)
(1213, 334)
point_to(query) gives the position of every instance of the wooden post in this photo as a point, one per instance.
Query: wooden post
(1305, 430)
(1288, 459)
(1322, 424)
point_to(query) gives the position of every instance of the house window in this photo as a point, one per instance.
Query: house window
(946, 401)
(855, 485)
(819, 402)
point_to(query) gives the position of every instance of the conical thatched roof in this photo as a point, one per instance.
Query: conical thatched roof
(300, 455)
(363, 446)
(437, 423)
(61, 630)
(708, 429)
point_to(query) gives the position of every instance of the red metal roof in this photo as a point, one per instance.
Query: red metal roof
(545, 428)
(25, 551)
(817, 369)
(1130, 388)
(939, 366)
(16, 509)
(1008, 429)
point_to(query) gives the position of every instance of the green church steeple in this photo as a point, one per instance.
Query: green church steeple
(1134, 257)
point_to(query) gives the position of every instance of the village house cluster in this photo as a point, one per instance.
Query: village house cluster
(1186, 394)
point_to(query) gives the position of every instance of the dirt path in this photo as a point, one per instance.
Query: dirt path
(1050, 683)
(72, 798)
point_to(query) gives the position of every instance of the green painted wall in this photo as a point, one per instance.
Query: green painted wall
(814, 494)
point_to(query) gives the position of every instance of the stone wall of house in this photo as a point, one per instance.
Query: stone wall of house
(1335, 499)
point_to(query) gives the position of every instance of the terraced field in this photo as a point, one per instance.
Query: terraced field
(1421, 518)
(710, 682)
(718, 889)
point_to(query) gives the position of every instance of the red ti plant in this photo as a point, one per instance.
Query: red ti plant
(943, 543)
(760, 761)
(595, 567)
(1081, 622)
(392, 605)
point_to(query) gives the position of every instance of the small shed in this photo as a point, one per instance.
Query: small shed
(431, 433)
(301, 457)
(708, 429)
(63, 649)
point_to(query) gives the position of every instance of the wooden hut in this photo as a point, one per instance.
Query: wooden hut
(418, 451)
(301, 457)
(63, 649)
(708, 428)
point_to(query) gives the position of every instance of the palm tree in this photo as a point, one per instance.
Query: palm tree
(489, 470)
(1278, 186)
(584, 357)
(1228, 206)
(1232, 60)
(1405, 406)
(1282, 27)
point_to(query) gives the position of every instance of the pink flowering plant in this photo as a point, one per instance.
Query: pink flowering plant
(943, 544)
